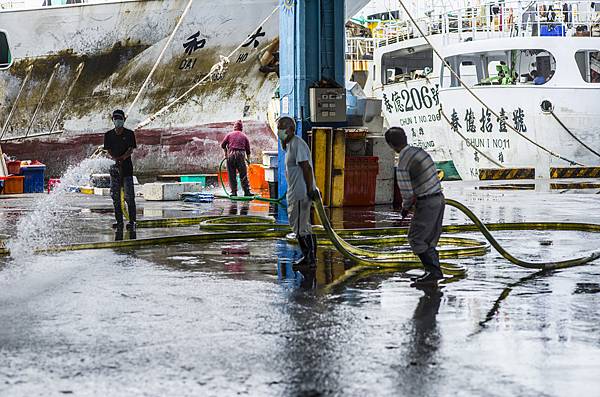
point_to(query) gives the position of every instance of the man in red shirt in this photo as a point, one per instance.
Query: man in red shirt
(237, 152)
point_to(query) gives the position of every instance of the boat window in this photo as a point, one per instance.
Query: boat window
(512, 67)
(5, 55)
(406, 64)
(588, 63)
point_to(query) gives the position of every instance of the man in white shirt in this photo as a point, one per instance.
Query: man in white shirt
(301, 188)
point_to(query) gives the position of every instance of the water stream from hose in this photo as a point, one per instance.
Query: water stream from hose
(48, 223)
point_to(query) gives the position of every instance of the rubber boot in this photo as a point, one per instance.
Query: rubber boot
(305, 252)
(308, 245)
(433, 273)
(311, 243)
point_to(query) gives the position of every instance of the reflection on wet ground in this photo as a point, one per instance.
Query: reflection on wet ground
(236, 317)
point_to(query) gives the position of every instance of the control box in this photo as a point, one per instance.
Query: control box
(327, 105)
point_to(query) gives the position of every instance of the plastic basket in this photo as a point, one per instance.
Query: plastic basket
(360, 181)
(14, 167)
(34, 178)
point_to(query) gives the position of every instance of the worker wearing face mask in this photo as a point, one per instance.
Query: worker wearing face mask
(301, 188)
(120, 143)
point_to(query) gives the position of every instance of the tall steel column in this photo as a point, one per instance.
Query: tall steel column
(312, 40)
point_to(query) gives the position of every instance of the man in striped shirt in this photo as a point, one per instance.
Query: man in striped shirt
(420, 188)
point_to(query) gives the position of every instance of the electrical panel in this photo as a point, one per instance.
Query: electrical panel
(327, 105)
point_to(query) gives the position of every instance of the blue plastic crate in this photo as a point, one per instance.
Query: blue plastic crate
(34, 178)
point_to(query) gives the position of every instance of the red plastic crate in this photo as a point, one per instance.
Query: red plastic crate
(360, 181)
(14, 167)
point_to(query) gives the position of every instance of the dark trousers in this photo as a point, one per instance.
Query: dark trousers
(426, 227)
(236, 162)
(116, 182)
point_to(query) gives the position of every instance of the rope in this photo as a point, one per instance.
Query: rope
(573, 135)
(466, 140)
(160, 57)
(218, 67)
(470, 91)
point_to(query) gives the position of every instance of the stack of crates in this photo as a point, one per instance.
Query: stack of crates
(12, 184)
(23, 178)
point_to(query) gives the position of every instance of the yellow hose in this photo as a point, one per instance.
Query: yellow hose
(407, 260)
(219, 228)
(124, 208)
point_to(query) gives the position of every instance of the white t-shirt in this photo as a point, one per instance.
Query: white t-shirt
(297, 151)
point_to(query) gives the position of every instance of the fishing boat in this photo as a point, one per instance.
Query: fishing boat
(75, 63)
(495, 86)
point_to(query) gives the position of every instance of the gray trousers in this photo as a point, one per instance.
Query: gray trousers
(236, 162)
(426, 225)
(116, 181)
(299, 216)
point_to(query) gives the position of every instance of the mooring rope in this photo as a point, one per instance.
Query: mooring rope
(219, 66)
(572, 134)
(491, 160)
(160, 57)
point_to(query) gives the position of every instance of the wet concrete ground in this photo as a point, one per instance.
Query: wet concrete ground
(188, 320)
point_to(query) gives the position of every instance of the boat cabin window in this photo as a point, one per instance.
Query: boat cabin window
(588, 63)
(512, 67)
(5, 55)
(406, 64)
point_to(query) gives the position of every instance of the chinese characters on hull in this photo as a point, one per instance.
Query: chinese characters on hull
(253, 38)
(196, 42)
(192, 43)
(413, 99)
(489, 142)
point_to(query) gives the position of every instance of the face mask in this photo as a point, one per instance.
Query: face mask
(119, 123)
(282, 135)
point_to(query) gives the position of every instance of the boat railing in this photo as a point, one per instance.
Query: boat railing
(507, 19)
(360, 48)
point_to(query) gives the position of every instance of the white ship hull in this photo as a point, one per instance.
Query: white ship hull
(494, 56)
(577, 108)
(414, 106)
(116, 44)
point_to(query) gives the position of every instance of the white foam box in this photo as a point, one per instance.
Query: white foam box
(191, 187)
(270, 174)
(270, 159)
(162, 191)
(102, 191)
(384, 193)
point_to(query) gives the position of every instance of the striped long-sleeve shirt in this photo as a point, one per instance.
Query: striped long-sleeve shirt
(417, 175)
